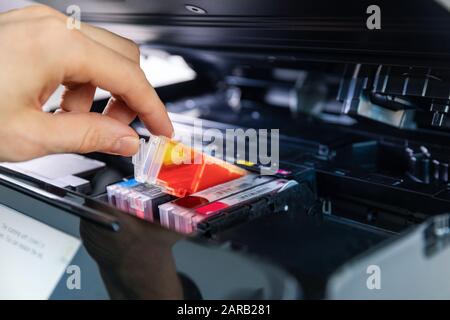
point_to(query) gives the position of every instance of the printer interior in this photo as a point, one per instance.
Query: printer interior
(364, 119)
(379, 158)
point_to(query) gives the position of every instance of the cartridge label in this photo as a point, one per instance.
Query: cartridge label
(225, 189)
(242, 197)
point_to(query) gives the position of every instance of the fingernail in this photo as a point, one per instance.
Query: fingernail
(126, 146)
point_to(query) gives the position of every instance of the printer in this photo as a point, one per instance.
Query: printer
(360, 94)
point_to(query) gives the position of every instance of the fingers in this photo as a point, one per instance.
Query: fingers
(86, 132)
(111, 40)
(117, 109)
(33, 133)
(93, 63)
(78, 98)
(108, 61)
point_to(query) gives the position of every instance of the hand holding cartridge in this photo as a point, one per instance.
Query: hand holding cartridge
(38, 52)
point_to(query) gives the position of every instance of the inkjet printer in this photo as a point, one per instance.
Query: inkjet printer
(358, 206)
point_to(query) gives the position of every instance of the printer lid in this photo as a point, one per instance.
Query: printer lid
(413, 32)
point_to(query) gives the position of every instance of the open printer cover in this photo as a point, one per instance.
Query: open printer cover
(362, 103)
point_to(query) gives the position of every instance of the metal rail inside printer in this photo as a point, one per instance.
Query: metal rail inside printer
(364, 131)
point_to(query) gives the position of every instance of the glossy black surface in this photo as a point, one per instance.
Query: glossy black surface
(286, 30)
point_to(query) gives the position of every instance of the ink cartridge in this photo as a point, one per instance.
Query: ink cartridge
(178, 169)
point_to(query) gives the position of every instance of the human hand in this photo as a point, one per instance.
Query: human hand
(38, 52)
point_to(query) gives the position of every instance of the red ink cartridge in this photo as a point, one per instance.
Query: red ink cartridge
(179, 169)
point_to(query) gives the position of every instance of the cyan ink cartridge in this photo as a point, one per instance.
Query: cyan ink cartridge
(137, 199)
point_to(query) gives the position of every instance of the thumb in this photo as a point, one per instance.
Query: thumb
(88, 132)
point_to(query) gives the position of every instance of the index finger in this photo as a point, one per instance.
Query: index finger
(122, 45)
(105, 68)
